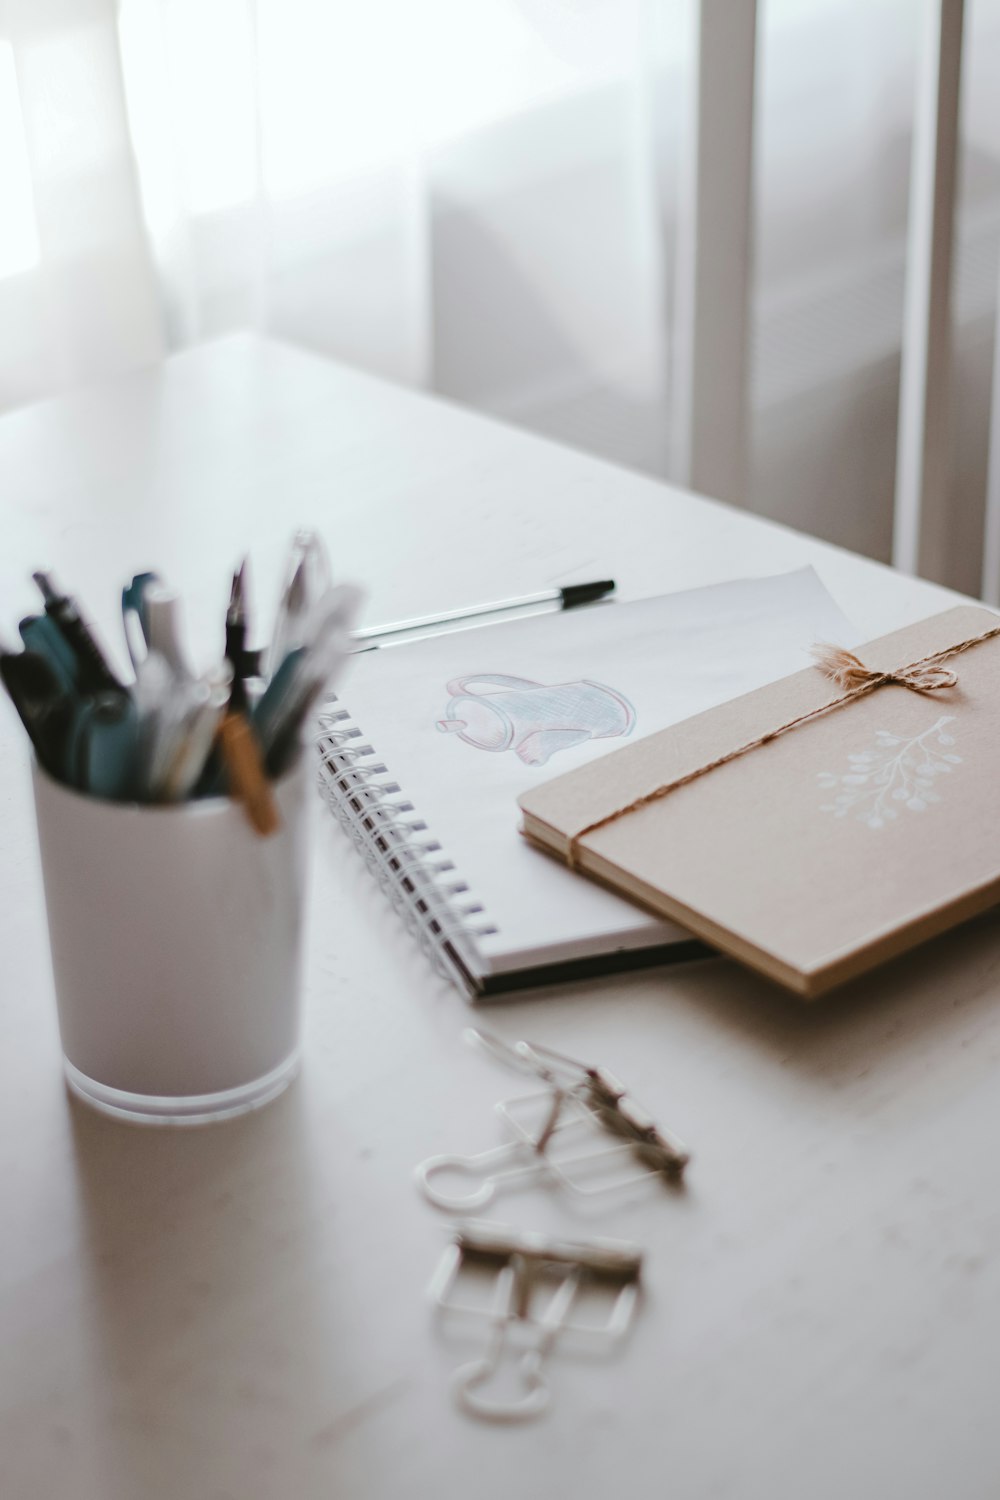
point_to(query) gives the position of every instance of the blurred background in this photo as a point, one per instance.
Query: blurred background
(486, 198)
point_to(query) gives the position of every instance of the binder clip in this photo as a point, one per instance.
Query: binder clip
(537, 1280)
(559, 1135)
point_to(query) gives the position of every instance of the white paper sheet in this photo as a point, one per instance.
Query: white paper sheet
(465, 722)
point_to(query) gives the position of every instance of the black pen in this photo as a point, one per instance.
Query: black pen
(243, 662)
(94, 674)
(47, 712)
(565, 598)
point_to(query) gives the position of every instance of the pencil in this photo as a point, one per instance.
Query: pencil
(248, 781)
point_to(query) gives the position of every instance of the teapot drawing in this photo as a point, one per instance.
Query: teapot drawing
(493, 711)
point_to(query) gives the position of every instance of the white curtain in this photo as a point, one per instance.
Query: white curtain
(372, 178)
(478, 196)
(78, 297)
(298, 159)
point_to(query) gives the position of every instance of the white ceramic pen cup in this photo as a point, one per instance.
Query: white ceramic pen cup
(175, 936)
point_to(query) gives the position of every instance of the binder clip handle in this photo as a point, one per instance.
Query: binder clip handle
(490, 1168)
(468, 1378)
(466, 1383)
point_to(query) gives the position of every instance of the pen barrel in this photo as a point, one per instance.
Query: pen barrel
(246, 773)
(95, 675)
(175, 938)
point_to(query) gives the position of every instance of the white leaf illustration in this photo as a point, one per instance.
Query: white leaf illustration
(904, 773)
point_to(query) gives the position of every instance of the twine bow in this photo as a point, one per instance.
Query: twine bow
(851, 674)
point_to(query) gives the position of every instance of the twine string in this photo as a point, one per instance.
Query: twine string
(850, 674)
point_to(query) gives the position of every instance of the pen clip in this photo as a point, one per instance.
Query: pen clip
(135, 618)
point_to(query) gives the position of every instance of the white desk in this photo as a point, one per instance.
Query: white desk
(239, 1311)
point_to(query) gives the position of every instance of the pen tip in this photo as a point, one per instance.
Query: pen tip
(237, 592)
(297, 587)
(44, 582)
(585, 593)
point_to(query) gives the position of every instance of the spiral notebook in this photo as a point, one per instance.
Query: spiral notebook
(428, 746)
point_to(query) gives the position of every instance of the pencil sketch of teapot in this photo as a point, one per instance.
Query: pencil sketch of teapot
(536, 720)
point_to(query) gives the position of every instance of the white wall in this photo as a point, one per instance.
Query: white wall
(573, 346)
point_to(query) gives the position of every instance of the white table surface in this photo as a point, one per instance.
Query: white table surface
(239, 1311)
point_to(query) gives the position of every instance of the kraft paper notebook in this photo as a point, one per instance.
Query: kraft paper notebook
(817, 826)
(430, 742)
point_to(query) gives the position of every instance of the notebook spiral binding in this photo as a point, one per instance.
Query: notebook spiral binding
(397, 846)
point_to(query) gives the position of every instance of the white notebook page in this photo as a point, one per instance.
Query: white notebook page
(465, 722)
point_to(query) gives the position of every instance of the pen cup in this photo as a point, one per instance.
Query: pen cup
(175, 934)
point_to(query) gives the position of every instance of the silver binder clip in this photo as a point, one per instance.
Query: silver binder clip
(537, 1281)
(559, 1135)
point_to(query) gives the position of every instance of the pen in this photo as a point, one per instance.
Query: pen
(104, 736)
(566, 598)
(41, 634)
(292, 610)
(155, 685)
(302, 675)
(162, 614)
(236, 639)
(93, 673)
(278, 700)
(46, 711)
(201, 725)
(307, 581)
(245, 770)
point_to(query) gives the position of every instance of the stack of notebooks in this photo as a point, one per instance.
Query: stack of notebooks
(431, 744)
(817, 826)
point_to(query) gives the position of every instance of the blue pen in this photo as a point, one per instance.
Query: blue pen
(41, 634)
(103, 743)
(279, 699)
